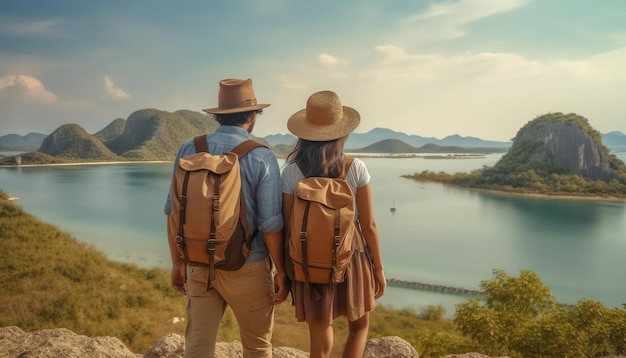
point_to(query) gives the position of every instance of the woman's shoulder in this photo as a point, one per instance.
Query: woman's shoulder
(358, 170)
(291, 170)
(358, 163)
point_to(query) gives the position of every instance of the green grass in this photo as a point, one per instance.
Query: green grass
(50, 280)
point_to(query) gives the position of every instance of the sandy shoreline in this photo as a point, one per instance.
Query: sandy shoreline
(87, 163)
(550, 197)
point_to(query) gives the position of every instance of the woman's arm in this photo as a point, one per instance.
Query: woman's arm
(366, 217)
(368, 225)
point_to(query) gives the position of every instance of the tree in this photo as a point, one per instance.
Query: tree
(510, 307)
(519, 318)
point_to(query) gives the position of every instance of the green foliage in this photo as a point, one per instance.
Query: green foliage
(431, 338)
(527, 182)
(432, 313)
(519, 318)
(33, 158)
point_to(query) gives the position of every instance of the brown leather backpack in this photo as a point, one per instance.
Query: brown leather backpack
(208, 224)
(322, 229)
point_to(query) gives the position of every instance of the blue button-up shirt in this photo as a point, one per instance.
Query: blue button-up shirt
(261, 183)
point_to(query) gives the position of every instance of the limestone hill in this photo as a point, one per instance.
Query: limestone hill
(147, 134)
(72, 142)
(112, 130)
(558, 143)
(151, 134)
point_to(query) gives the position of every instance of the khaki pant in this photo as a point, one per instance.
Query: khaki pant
(247, 291)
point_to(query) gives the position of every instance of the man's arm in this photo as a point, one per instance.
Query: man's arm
(275, 245)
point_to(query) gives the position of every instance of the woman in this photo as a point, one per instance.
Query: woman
(322, 129)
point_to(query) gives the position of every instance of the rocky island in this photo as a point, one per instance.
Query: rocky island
(554, 154)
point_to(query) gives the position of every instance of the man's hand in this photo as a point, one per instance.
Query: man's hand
(280, 288)
(179, 271)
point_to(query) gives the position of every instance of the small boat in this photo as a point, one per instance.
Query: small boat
(393, 206)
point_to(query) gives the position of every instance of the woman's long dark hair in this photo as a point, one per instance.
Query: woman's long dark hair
(319, 159)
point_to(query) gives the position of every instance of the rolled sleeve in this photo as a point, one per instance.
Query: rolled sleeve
(269, 198)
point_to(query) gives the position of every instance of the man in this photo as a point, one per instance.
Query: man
(250, 291)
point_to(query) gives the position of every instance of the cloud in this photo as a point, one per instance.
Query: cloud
(26, 87)
(289, 83)
(327, 60)
(113, 91)
(448, 19)
(22, 27)
(393, 62)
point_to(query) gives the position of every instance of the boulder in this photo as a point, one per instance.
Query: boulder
(59, 342)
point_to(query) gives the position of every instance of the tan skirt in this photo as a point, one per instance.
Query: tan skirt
(351, 298)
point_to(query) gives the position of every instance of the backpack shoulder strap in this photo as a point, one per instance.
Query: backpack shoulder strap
(200, 143)
(245, 147)
(347, 165)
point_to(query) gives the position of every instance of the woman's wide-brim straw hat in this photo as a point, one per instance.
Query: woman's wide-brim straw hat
(323, 119)
(235, 96)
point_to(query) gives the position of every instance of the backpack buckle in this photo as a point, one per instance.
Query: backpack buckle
(211, 245)
(179, 241)
(337, 240)
(216, 203)
(303, 236)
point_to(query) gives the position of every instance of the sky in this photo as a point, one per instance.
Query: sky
(479, 68)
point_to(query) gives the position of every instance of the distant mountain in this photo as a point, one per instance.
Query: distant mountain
(361, 140)
(387, 146)
(398, 146)
(278, 139)
(15, 142)
(614, 139)
(147, 134)
(70, 141)
(113, 130)
(152, 134)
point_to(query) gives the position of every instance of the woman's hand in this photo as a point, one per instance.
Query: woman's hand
(381, 283)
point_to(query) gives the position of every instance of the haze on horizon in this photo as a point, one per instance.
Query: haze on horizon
(480, 68)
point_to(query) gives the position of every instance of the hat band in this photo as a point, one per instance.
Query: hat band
(239, 104)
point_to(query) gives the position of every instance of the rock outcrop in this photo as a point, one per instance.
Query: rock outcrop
(569, 142)
(58, 342)
(62, 342)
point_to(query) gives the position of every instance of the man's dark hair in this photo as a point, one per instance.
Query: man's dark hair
(235, 119)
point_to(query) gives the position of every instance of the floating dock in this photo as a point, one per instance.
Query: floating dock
(436, 288)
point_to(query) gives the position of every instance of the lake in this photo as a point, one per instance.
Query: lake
(438, 234)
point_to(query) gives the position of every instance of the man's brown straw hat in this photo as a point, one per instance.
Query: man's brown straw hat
(235, 96)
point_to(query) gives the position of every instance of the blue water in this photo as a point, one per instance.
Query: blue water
(438, 234)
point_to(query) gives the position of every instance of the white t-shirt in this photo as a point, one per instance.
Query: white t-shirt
(357, 176)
